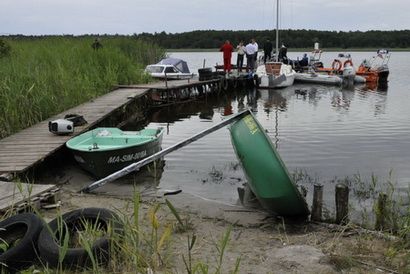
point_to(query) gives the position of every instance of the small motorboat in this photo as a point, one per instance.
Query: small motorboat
(376, 68)
(342, 67)
(170, 69)
(103, 151)
(317, 78)
(267, 175)
(314, 72)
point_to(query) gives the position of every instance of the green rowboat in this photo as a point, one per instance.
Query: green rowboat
(267, 175)
(102, 151)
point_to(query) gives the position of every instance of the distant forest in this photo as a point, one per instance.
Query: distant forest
(203, 39)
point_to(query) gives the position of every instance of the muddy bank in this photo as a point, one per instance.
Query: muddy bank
(263, 244)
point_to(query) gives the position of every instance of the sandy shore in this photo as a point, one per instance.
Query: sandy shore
(264, 244)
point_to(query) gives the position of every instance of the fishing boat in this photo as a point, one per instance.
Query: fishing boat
(275, 74)
(266, 173)
(102, 151)
(170, 69)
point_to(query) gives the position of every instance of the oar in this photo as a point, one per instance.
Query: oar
(136, 166)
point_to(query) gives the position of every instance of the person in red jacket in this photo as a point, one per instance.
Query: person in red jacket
(227, 50)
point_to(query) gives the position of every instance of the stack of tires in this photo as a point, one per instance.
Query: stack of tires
(205, 74)
(27, 240)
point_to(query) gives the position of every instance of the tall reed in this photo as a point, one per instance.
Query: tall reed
(45, 76)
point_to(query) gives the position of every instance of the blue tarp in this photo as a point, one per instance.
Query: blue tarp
(181, 65)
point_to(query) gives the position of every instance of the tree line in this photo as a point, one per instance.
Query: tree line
(202, 39)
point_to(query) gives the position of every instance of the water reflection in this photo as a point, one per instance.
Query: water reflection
(273, 100)
(328, 133)
(375, 86)
(341, 100)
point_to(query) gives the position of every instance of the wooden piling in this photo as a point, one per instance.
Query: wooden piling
(317, 203)
(381, 212)
(342, 204)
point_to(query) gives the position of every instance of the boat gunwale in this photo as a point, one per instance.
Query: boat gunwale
(86, 149)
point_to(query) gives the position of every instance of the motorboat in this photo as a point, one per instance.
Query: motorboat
(317, 78)
(170, 69)
(275, 74)
(376, 68)
(103, 151)
(314, 72)
(341, 66)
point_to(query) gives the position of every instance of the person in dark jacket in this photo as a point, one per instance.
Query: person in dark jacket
(97, 44)
(267, 50)
(227, 50)
(283, 54)
(305, 61)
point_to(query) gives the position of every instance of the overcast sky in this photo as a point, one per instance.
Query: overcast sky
(33, 17)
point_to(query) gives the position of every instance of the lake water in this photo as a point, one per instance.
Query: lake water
(326, 136)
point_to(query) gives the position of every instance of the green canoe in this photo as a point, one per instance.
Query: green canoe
(102, 151)
(267, 175)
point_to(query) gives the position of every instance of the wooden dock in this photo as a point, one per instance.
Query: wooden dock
(178, 91)
(32, 145)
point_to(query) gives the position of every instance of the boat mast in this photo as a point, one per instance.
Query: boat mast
(277, 31)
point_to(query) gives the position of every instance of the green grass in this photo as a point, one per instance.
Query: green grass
(296, 49)
(144, 243)
(45, 76)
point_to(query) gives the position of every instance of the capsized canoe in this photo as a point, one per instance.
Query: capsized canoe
(102, 151)
(267, 175)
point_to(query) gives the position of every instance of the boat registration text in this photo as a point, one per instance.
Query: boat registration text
(127, 157)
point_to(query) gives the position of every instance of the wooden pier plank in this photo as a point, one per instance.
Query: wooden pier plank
(11, 194)
(174, 84)
(22, 150)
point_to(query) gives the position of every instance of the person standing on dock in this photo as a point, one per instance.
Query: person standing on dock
(267, 50)
(241, 52)
(283, 54)
(227, 50)
(250, 50)
(256, 49)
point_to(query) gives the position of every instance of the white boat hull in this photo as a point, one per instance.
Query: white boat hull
(172, 76)
(316, 78)
(284, 77)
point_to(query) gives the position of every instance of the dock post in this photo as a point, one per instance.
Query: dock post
(342, 204)
(317, 203)
(381, 212)
(166, 80)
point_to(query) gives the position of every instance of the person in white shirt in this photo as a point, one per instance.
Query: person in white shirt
(241, 52)
(256, 49)
(250, 50)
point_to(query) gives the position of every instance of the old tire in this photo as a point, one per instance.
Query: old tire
(21, 233)
(77, 257)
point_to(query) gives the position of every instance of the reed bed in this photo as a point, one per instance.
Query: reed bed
(45, 76)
